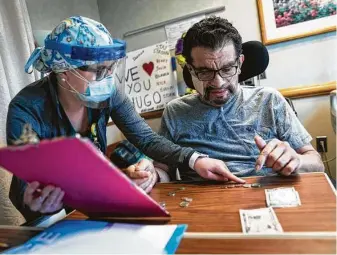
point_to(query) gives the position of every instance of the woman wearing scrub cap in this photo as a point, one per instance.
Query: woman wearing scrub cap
(79, 94)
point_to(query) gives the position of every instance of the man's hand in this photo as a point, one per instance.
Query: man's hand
(214, 169)
(143, 174)
(47, 200)
(277, 155)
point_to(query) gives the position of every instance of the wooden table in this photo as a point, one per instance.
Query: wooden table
(215, 209)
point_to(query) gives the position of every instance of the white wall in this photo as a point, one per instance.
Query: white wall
(305, 61)
(46, 14)
(314, 114)
(127, 15)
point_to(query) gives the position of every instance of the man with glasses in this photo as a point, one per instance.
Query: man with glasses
(251, 129)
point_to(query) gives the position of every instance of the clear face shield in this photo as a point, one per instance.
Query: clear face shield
(109, 83)
(108, 65)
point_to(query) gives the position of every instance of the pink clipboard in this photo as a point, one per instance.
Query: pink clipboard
(92, 184)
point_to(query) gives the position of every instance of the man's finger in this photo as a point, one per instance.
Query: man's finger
(282, 162)
(290, 167)
(264, 153)
(275, 155)
(260, 143)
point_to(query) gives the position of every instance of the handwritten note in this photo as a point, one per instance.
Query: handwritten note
(174, 31)
(148, 78)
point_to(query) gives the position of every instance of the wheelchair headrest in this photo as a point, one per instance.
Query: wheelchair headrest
(256, 62)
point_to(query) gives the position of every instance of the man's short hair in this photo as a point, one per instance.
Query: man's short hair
(213, 33)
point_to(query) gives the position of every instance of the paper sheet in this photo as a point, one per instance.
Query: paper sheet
(174, 31)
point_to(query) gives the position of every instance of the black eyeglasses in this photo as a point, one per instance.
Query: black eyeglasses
(208, 75)
(101, 71)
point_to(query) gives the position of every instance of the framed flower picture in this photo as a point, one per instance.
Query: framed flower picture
(284, 20)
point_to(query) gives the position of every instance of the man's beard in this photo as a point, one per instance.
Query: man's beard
(221, 100)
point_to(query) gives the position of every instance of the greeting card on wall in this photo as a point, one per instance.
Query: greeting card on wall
(149, 79)
(175, 31)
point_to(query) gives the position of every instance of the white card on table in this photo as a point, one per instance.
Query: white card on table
(260, 221)
(282, 197)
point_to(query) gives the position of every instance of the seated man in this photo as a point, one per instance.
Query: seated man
(252, 129)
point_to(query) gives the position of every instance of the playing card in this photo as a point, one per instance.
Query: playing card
(260, 221)
(282, 197)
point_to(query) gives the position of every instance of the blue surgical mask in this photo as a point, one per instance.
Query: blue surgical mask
(97, 92)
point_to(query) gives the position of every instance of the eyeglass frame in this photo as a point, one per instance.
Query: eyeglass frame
(196, 73)
(103, 69)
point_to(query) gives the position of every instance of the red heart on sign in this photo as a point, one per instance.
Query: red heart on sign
(148, 67)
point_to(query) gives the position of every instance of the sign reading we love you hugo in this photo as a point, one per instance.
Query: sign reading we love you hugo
(149, 82)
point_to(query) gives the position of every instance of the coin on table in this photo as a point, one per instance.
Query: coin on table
(237, 185)
(184, 204)
(187, 199)
(172, 194)
(247, 185)
(224, 187)
(256, 185)
(231, 186)
(181, 188)
(162, 204)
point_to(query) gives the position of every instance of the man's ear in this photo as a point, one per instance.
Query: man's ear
(241, 59)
